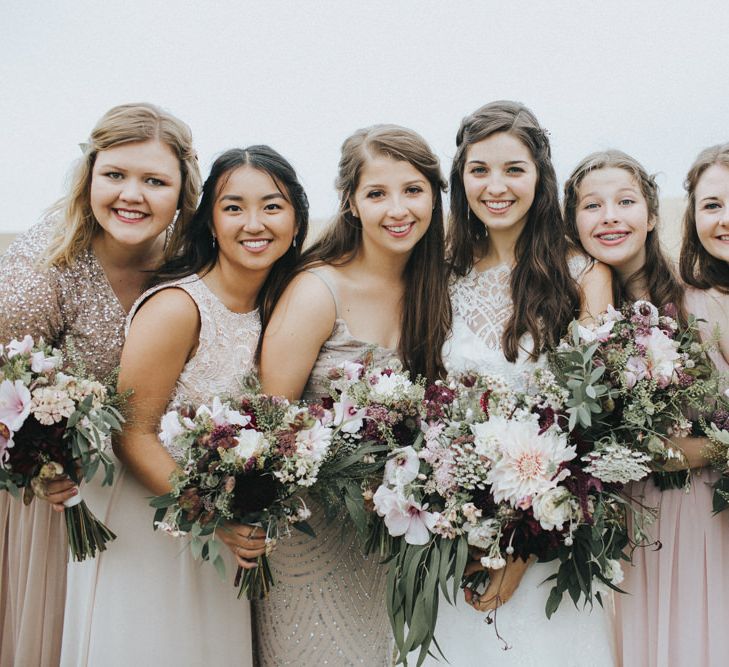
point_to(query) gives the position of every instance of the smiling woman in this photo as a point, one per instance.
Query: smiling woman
(191, 337)
(71, 279)
(374, 284)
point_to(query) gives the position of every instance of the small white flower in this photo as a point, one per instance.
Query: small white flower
(16, 347)
(402, 467)
(314, 442)
(552, 508)
(250, 443)
(172, 426)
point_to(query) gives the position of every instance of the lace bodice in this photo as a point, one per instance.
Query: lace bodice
(482, 306)
(226, 348)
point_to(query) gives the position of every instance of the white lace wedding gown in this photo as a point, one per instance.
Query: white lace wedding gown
(145, 600)
(572, 637)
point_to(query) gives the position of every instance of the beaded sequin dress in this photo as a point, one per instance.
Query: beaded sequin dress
(572, 637)
(677, 606)
(146, 601)
(328, 604)
(75, 309)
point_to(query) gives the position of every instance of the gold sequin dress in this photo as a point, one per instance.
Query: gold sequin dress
(328, 604)
(145, 600)
(72, 308)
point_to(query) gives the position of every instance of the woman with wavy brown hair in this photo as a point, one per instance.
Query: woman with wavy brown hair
(374, 284)
(71, 279)
(517, 284)
(611, 206)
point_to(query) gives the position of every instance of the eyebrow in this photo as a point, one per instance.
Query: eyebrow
(632, 190)
(508, 164)
(108, 165)
(417, 181)
(273, 195)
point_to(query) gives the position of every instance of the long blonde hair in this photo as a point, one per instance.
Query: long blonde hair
(75, 224)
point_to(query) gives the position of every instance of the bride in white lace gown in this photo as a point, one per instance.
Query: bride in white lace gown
(514, 293)
(146, 601)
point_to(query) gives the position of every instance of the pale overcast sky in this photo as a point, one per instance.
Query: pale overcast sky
(649, 77)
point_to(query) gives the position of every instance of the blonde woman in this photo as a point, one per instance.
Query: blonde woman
(71, 279)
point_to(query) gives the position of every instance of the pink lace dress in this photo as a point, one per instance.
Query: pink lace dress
(677, 610)
(146, 601)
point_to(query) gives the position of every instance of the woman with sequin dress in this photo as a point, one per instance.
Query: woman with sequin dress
(71, 279)
(375, 282)
(517, 285)
(190, 337)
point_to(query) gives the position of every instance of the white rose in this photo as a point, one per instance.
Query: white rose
(552, 508)
(250, 443)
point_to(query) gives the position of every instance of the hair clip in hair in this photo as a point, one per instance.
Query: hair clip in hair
(84, 146)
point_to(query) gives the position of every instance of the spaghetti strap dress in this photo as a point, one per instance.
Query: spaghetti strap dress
(328, 604)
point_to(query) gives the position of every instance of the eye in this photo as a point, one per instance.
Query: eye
(375, 194)
(273, 207)
(626, 202)
(591, 206)
(712, 206)
(232, 208)
(414, 190)
(515, 170)
(477, 170)
(155, 181)
(114, 175)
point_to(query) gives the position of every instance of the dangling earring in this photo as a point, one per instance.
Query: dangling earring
(293, 243)
(214, 241)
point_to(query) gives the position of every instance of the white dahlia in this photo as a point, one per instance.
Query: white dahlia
(526, 463)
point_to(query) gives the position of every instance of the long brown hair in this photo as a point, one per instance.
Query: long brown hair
(426, 316)
(545, 295)
(658, 272)
(75, 224)
(698, 267)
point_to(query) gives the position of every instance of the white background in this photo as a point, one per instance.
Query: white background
(651, 78)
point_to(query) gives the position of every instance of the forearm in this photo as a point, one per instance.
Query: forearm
(147, 459)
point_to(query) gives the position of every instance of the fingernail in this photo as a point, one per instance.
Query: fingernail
(74, 491)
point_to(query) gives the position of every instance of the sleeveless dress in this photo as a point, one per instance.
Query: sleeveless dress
(677, 609)
(146, 601)
(328, 604)
(572, 637)
(73, 308)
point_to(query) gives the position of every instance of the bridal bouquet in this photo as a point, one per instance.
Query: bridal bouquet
(633, 376)
(244, 460)
(53, 423)
(498, 471)
(376, 410)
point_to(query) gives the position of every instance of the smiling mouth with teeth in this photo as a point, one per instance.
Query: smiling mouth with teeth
(498, 205)
(130, 215)
(400, 228)
(613, 236)
(256, 244)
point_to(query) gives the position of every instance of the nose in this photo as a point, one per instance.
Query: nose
(397, 208)
(609, 213)
(495, 185)
(252, 224)
(131, 190)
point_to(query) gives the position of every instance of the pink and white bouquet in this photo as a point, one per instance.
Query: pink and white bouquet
(247, 461)
(376, 410)
(633, 377)
(54, 423)
(498, 471)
